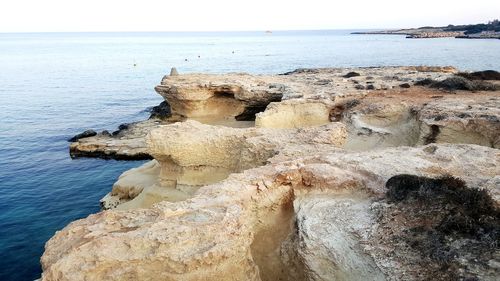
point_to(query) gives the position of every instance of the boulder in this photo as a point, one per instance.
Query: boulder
(85, 134)
(161, 111)
(351, 74)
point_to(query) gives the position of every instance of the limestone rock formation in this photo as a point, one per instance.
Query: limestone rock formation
(190, 154)
(303, 193)
(237, 228)
(313, 97)
(420, 116)
(127, 144)
(465, 120)
(295, 113)
(216, 96)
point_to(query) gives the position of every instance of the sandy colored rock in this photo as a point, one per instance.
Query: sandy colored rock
(419, 116)
(190, 154)
(127, 144)
(311, 97)
(465, 120)
(211, 236)
(295, 113)
(221, 96)
(302, 195)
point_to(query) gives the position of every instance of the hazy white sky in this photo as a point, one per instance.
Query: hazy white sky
(219, 15)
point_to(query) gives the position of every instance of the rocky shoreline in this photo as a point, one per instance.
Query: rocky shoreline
(471, 31)
(421, 34)
(315, 174)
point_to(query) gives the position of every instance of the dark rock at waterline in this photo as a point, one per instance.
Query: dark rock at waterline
(121, 128)
(481, 75)
(458, 83)
(301, 70)
(405, 85)
(85, 134)
(105, 133)
(161, 111)
(108, 155)
(370, 87)
(351, 74)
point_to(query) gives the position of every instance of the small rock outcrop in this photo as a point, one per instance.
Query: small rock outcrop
(207, 96)
(173, 72)
(85, 134)
(161, 111)
(351, 74)
(125, 144)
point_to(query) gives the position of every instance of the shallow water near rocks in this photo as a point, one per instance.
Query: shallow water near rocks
(55, 85)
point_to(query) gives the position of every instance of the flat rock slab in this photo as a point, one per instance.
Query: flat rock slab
(128, 144)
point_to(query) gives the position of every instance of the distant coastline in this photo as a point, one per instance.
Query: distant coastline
(490, 30)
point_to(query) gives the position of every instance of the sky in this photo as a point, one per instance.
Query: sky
(233, 15)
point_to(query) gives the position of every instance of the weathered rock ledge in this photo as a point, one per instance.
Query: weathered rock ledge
(297, 218)
(389, 96)
(388, 181)
(190, 154)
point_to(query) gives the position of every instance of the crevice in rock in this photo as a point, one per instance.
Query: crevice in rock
(271, 231)
(249, 113)
(324, 242)
(432, 136)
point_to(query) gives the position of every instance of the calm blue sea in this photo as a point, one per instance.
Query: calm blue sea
(53, 86)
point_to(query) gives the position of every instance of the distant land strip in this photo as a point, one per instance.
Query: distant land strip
(490, 30)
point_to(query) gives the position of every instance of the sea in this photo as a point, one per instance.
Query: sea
(55, 85)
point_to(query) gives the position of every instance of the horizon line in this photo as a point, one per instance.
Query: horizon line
(203, 31)
(240, 30)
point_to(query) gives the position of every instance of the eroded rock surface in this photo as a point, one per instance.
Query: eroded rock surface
(237, 96)
(375, 106)
(212, 235)
(306, 193)
(421, 116)
(127, 144)
(190, 154)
